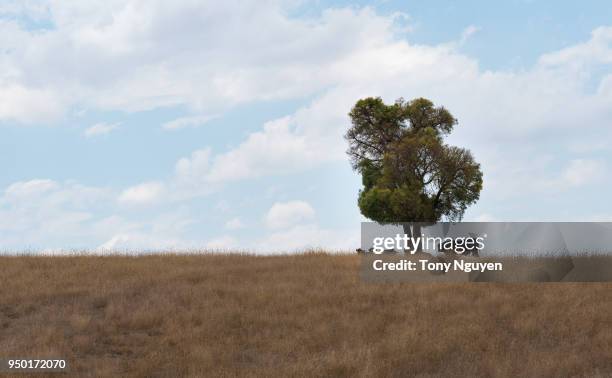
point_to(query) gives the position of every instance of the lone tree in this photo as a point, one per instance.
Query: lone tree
(409, 174)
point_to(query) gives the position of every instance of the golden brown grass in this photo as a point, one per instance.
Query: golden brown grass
(304, 315)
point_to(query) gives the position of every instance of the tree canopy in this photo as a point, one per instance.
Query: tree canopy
(408, 173)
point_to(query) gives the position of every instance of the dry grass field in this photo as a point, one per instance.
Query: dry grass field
(303, 315)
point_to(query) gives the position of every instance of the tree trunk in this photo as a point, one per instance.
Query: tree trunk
(407, 231)
(416, 233)
(413, 230)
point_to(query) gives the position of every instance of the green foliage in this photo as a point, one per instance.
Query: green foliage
(408, 173)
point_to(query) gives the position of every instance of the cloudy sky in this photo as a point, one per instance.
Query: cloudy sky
(209, 124)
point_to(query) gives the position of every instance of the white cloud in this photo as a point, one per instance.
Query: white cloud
(121, 55)
(299, 238)
(490, 105)
(161, 232)
(584, 171)
(44, 212)
(190, 174)
(100, 129)
(598, 49)
(141, 242)
(42, 193)
(204, 57)
(234, 224)
(286, 214)
(28, 105)
(588, 145)
(145, 193)
(184, 122)
(286, 145)
(223, 243)
(25, 189)
(485, 218)
(26, 8)
(276, 149)
(339, 55)
(531, 171)
(468, 33)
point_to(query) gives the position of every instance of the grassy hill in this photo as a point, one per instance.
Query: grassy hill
(228, 315)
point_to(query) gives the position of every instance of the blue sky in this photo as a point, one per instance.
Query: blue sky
(190, 125)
